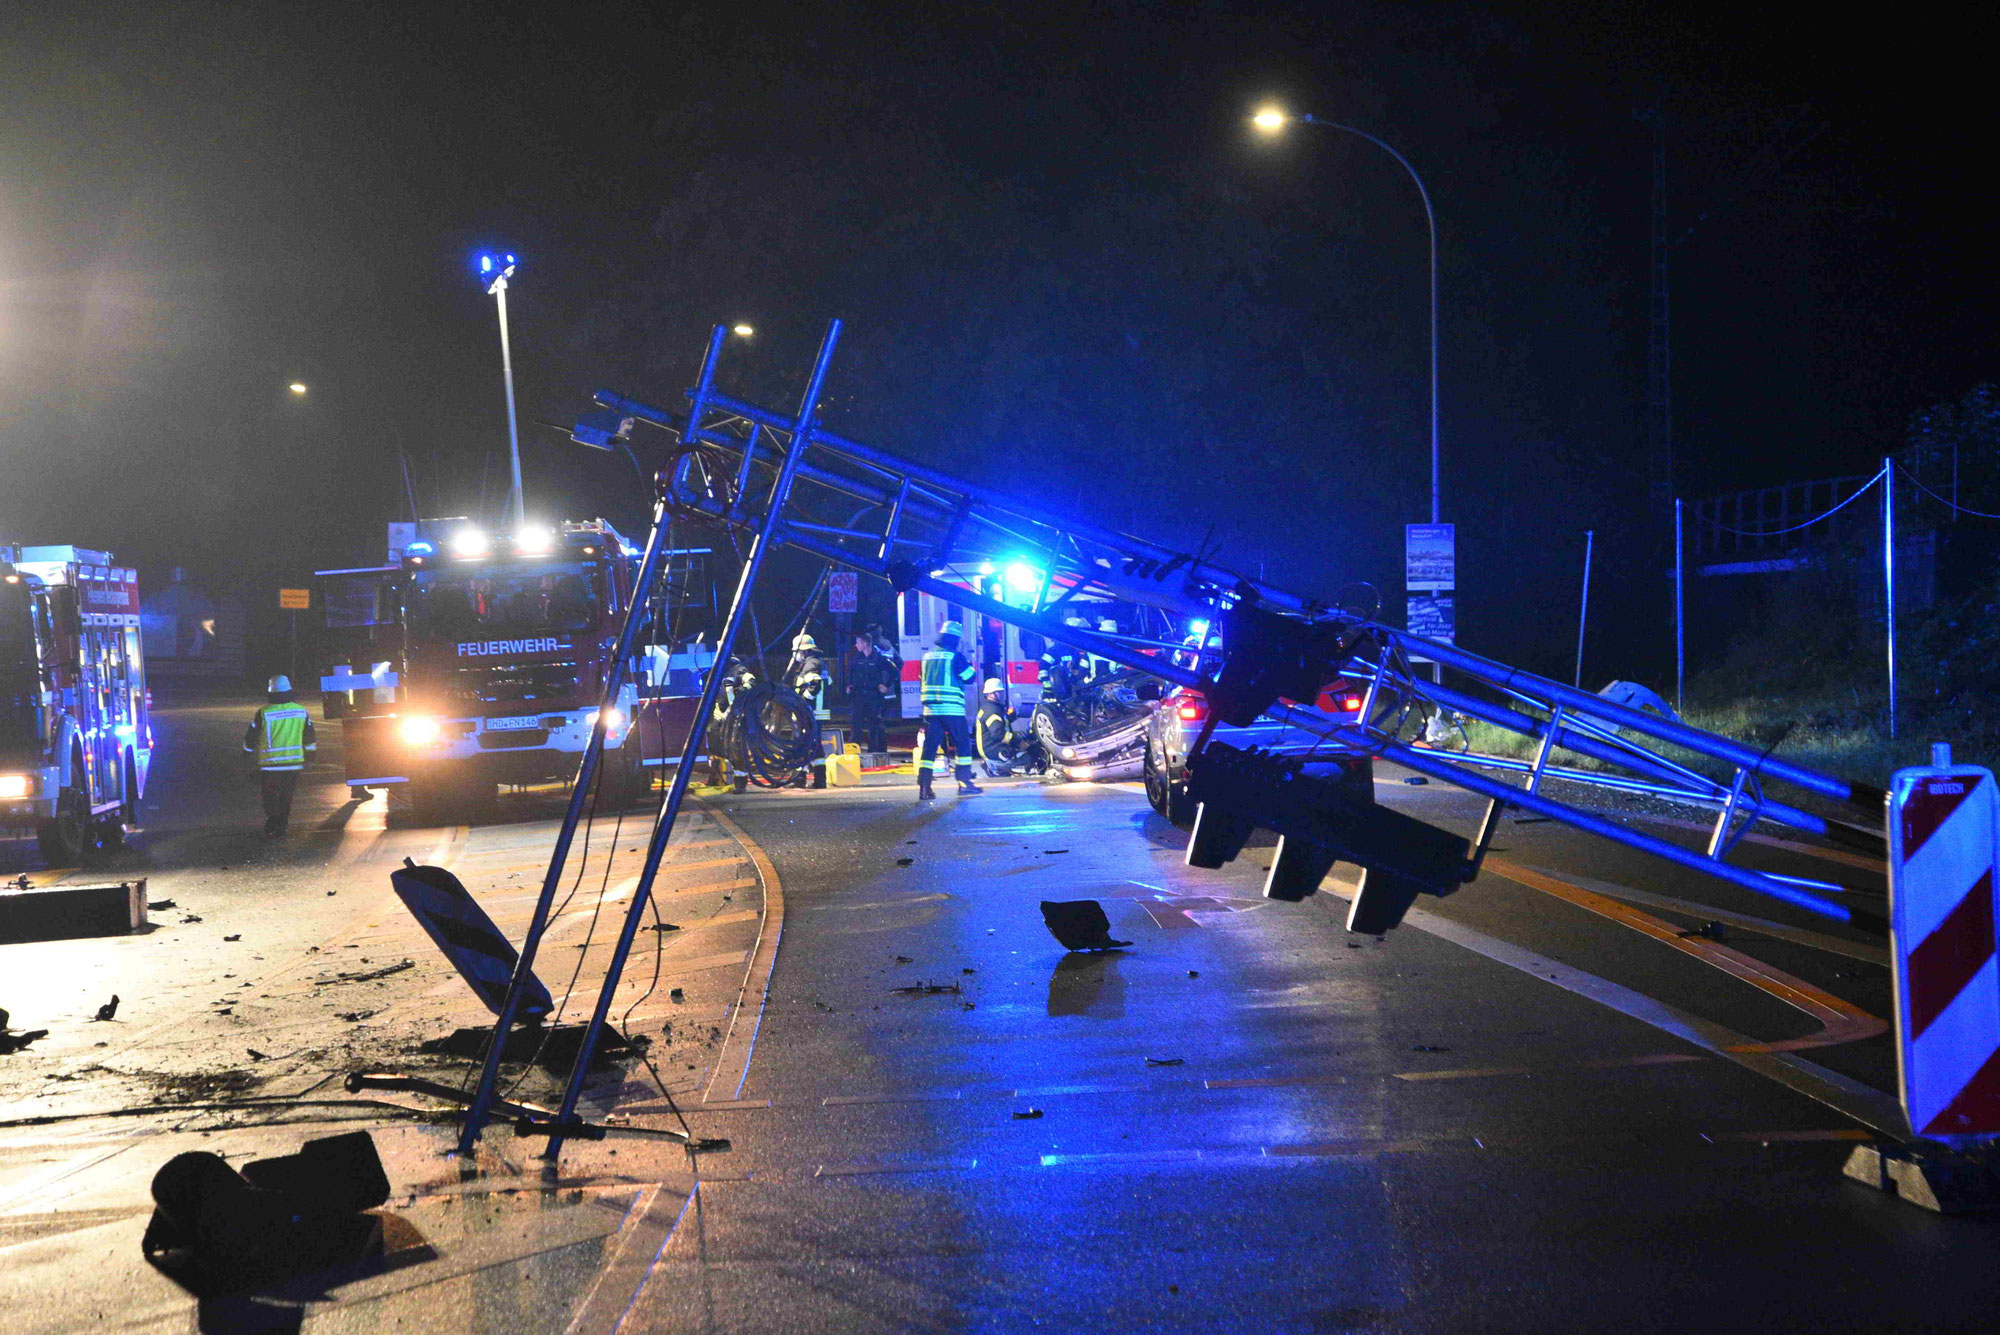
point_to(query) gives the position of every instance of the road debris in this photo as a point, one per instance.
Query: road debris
(923, 989)
(1416, 780)
(676, 996)
(187, 918)
(1079, 924)
(364, 977)
(237, 937)
(664, 927)
(904, 959)
(257, 1056)
(1194, 973)
(1053, 851)
(1427, 1047)
(109, 1008)
(905, 862)
(159, 904)
(1166, 1061)
(13, 1042)
(1027, 1114)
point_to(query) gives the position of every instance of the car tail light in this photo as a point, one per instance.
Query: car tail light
(1192, 708)
(1350, 703)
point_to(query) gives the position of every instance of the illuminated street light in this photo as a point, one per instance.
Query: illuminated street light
(1271, 119)
(494, 270)
(743, 331)
(297, 387)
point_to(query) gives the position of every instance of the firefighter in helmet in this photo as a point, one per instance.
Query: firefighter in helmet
(280, 736)
(945, 676)
(806, 674)
(995, 733)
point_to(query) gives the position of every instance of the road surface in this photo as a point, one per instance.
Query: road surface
(1585, 1093)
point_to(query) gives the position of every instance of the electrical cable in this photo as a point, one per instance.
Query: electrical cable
(1774, 532)
(1954, 505)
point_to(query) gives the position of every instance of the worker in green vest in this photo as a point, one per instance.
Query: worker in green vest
(279, 736)
(945, 676)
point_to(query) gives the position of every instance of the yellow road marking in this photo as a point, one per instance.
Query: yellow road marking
(1841, 1021)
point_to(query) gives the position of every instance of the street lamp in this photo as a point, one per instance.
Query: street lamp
(743, 331)
(297, 387)
(494, 271)
(1271, 121)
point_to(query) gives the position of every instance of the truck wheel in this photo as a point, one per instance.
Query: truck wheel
(66, 838)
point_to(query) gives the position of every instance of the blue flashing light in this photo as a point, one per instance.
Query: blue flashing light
(1022, 577)
(1198, 628)
(419, 549)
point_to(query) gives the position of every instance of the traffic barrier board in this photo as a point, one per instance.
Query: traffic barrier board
(295, 600)
(468, 938)
(1944, 838)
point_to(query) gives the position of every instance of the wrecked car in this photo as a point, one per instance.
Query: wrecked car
(1098, 732)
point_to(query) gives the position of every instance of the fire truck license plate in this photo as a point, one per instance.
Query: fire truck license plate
(511, 724)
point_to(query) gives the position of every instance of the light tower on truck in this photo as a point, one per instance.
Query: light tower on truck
(494, 271)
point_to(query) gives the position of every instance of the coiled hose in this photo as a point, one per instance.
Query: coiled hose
(770, 734)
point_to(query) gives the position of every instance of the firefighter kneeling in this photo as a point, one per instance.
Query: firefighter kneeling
(996, 730)
(946, 674)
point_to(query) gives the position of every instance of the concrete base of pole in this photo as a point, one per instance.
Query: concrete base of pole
(1934, 1177)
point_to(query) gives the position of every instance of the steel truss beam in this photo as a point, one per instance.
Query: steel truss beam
(915, 519)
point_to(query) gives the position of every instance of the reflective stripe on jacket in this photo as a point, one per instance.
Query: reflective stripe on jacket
(946, 674)
(280, 735)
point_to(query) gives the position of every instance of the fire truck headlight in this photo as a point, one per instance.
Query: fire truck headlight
(16, 785)
(419, 730)
(534, 540)
(468, 542)
(614, 719)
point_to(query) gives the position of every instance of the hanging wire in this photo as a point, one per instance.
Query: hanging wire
(1861, 491)
(1953, 505)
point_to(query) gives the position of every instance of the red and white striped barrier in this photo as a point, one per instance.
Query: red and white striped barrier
(1944, 844)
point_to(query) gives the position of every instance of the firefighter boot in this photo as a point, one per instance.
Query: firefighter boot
(966, 787)
(924, 793)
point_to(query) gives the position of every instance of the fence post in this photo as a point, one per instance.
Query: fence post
(1889, 579)
(1583, 612)
(1680, 621)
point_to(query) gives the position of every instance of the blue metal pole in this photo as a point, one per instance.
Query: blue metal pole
(1889, 578)
(479, 1110)
(663, 828)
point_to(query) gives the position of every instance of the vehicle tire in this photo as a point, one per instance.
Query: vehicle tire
(65, 839)
(1167, 797)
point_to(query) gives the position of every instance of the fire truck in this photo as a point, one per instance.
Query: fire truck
(475, 661)
(75, 736)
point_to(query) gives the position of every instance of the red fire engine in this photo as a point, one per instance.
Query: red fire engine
(75, 737)
(476, 661)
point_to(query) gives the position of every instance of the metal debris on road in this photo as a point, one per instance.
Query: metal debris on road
(923, 989)
(187, 918)
(237, 937)
(664, 927)
(364, 977)
(1166, 1061)
(1416, 780)
(904, 959)
(1027, 1114)
(676, 995)
(109, 1008)
(158, 904)
(904, 862)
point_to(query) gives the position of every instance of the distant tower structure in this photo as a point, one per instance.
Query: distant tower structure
(1659, 342)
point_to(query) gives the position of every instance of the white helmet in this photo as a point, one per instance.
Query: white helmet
(279, 684)
(954, 628)
(992, 687)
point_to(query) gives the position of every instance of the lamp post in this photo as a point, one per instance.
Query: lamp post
(1272, 121)
(494, 271)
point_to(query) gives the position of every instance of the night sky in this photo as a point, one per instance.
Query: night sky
(1066, 265)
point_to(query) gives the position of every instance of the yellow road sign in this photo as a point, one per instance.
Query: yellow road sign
(295, 600)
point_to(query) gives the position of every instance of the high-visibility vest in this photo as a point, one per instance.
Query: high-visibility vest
(281, 736)
(944, 689)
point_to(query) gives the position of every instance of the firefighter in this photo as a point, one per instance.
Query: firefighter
(736, 680)
(280, 736)
(806, 674)
(945, 677)
(995, 734)
(871, 681)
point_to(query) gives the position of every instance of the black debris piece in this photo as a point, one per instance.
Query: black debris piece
(968, 971)
(1027, 1114)
(923, 989)
(109, 1008)
(371, 975)
(1079, 924)
(1416, 780)
(187, 918)
(13, 1042)
(257, 1056)
(1166, 1061)
(1714, 931)
(903, 959)
(905, 862)
(1194, 973)
(676, 996)
(664, 927)
(1427, 1047)
(354, 1017)
(157, 904)
(237, 937)
(1055, 850)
